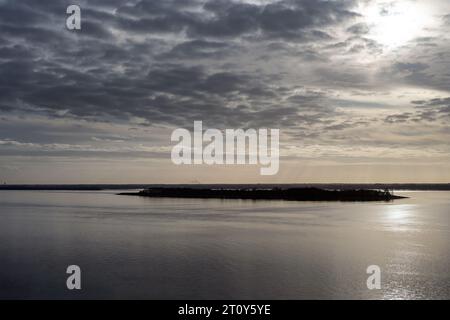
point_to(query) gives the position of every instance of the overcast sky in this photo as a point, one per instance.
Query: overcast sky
(360, 90)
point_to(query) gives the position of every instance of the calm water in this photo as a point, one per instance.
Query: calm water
(130, 247)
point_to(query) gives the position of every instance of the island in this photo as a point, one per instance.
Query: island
(290, 194)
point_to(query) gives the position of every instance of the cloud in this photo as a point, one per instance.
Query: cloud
(312, 68)
(231, 19)
(446, 19)
(359, 29)
(106, 72)
(410, 67)
(432, 110)
(198, 49)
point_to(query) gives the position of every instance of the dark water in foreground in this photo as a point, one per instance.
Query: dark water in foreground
(131, 247)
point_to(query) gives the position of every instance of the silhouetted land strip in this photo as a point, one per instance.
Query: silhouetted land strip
(292, 194)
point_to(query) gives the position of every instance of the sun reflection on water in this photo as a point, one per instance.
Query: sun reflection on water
(399, 217)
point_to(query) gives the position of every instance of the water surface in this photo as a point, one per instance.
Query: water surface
(150, 248)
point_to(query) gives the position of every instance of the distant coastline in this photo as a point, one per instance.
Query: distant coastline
(289, 194)
(327, 186)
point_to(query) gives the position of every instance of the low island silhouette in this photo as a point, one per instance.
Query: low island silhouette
(292, 194)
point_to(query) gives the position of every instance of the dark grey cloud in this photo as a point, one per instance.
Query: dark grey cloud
(287, 18)
(172, 94)
(105, 72)
(431, 110)
(446, 19)
(399, 118)
(433, 102)
(438, 108)
(229, 63)
(410, 67)
(356, 44)
(199, 49)
(293, 19)
(359, 28)
(426, 41)
(413, 74)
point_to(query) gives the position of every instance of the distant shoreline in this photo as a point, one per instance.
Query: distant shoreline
(289, 194)
(329, 186)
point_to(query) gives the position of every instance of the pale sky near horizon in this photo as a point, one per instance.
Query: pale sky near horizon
(360, 89)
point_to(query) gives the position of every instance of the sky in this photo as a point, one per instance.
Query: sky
(359, 89)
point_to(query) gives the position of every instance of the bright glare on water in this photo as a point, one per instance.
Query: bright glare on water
(131, 247)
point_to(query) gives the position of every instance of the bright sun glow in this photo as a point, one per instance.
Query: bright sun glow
(393, 24)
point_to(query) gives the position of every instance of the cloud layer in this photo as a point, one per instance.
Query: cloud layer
(137, 69)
